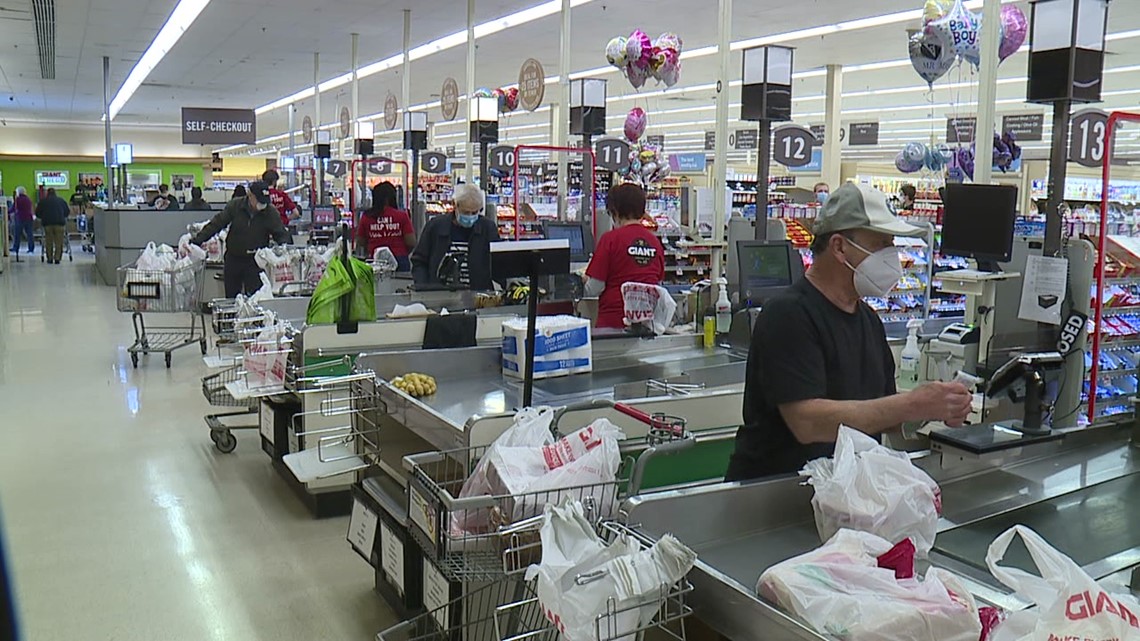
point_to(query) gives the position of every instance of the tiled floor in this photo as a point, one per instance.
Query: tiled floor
(121, 519)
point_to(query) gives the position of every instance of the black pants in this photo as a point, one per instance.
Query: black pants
(242, 275)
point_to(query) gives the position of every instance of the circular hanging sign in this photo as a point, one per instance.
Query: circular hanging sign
(433, 162)
(612, 154)
(307, 130)
(390, 109)
(501, 158)
(792, 146)
(1087, 143)
(532, 84)
(449, 99)
(345, 123)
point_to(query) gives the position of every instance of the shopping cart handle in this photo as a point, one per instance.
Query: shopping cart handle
(669, 447)
(634, 413)
(396, 631)
(411, 461)
(601, 403)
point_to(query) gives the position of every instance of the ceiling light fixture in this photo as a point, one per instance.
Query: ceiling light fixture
(179, 21)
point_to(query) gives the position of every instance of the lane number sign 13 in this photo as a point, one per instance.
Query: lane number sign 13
(793, 146)
(433, 162)
(1088, 142)
(501, 158)
(612, 154)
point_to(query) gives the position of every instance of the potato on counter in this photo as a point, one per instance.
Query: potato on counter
(415, 385)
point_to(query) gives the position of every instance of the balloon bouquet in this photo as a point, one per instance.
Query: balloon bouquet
(508, 99)
(640, 58)
(646, 163)
(951, 32)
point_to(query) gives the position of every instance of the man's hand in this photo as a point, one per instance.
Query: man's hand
(946, 402)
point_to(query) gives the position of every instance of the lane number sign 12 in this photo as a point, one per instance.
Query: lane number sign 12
(792, 146)
(501, 158)
(1088, 141)
(433, 162)
(612, 154)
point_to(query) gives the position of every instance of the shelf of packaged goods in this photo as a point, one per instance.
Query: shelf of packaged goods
(685, 268)
(907, 292)
(1116, 341)
(1132, 279)
(1116, 373)
(1123, 309)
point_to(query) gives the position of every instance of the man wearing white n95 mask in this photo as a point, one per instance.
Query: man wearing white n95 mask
(819, 355)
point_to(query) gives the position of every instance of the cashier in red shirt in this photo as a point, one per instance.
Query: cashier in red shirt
(628, 253)
(386, 225)
(281, 200)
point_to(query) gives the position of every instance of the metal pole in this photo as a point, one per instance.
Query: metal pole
(763, 169)
(587, 181)
(1058, 156)
(352, 134)
(109, 153)
(413, 198)
(319, 197)
(292, 144)
(720, 147)
(562, 128)
(987, 93)
(469, 168)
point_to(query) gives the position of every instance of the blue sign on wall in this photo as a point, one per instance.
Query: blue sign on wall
(813, 167)
(687, 163)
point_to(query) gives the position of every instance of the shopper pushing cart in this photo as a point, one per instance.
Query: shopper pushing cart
(252, 222)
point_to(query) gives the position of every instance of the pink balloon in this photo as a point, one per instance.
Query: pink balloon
(638, 49)
(670, 73)
(636, 75)
(1014, 26)
(635, 122)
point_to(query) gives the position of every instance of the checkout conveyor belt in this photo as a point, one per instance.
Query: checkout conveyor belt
(1097, 526)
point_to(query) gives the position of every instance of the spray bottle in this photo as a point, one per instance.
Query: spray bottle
(911, 354)
(723, 307)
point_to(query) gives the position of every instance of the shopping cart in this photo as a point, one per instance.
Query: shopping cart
(84, 234)
(216, 388)
(509, 610)
(143, 291)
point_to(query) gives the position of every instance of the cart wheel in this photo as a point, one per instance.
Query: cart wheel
(167, 361)
(226, 442)
(135, 360)
(202, 344)
(214, 434)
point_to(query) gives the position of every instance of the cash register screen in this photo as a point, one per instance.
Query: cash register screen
(581, 245)
(765, 268)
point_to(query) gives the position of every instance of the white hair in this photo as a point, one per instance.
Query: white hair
(469, 199)
(20, 191)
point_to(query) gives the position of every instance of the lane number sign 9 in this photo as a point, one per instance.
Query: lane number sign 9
(433, 162)
(1088, 142)
(501, 158)
(792, 146)
(612, 154)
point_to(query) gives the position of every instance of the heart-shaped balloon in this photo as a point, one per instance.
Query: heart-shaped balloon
(960, 27)
(638, 48)
(636, 75)
(669, 40)
(931, 54)
(1013, 29)
(615, 52)
(635, 122)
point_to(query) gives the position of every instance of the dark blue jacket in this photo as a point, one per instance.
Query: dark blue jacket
(52, 210)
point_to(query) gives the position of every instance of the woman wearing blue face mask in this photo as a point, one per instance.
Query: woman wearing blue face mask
(822, 191)
(455, 251)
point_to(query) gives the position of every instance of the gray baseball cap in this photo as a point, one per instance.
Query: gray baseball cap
(855, 206)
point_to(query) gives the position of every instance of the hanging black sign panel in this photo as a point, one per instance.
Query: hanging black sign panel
(710, 140)
(863, 133)
(792, 146)
(433, 162)
(501, 158)
(961, 130)
(1024, 126)
(656, 140)
(1088, 140)
(612, 154)
(380, 166)
(746, 139)
(818, 131)
(337, 168)
(208, 126)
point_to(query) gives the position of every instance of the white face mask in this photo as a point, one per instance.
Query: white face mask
(878, 273)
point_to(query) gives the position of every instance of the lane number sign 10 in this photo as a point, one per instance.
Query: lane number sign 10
(793, 146)
(1088, 142)
(433, 162)
(501, 158)
(612, 154)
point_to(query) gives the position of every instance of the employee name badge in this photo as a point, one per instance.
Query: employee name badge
(362, 529)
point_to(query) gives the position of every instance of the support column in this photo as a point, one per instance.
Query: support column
(469, 171)
(562, 121)
(720, 148)
(412, 198)
(292, 146)
(1058, 159)
(110, 151)
(987, 92)
(362, 184)
(832, 126)
(319, 171)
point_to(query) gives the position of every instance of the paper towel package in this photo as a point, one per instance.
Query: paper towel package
(562, 347)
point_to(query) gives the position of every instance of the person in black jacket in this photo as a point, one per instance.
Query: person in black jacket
(253, 222)
(52, 212)
(455, 250)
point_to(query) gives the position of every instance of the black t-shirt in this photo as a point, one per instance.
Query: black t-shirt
(804, 347)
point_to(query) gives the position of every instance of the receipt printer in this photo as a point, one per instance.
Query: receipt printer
(955, 348)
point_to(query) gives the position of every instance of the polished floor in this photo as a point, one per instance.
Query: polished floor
(121, 520)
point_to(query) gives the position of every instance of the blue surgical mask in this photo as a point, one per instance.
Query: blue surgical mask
(821, 196)
(467, 220)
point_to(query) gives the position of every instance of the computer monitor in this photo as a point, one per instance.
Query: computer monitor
(581, 240)
(766, 268)
(978, 223)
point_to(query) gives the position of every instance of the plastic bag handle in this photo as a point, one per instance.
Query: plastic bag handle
(1057, 570)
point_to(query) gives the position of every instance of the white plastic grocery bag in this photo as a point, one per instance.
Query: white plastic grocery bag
(265, 359)
(1070, 604)
(581, 578)
(839, 590)
(871, 488)
(650, 304)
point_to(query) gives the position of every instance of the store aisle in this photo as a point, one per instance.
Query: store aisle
(121, 520)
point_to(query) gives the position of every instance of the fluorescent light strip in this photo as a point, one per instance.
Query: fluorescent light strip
(184, 15)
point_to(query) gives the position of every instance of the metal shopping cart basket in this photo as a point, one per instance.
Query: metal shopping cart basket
(483, 538)
(214, 388)
(509, 610)
(143, 291)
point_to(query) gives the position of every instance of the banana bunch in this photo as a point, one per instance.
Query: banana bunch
(415, 385)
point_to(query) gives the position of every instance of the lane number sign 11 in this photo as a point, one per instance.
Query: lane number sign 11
(612, 154)
(792, 146)
(433, 162)
(1088, 141)
(501, 158)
